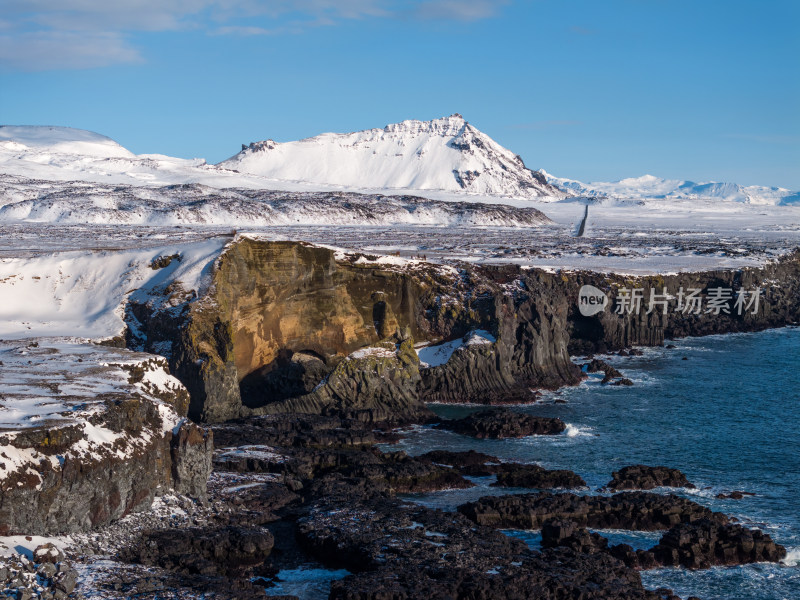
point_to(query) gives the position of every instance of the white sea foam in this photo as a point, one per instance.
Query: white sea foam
(579, 431)
(792, 558)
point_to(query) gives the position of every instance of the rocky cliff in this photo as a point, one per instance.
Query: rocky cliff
(89, 434)
(685, 304)
(292, 327)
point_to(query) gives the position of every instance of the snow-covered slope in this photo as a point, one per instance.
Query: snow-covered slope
(46, 141)
(195, 204)
(651, 187)
(65, 154)
(445, 154)
(80, 293)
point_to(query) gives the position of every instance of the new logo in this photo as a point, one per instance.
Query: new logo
(591, 300)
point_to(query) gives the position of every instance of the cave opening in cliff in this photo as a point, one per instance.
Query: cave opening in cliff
(291, 374)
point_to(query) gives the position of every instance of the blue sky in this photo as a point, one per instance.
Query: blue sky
(593, 90)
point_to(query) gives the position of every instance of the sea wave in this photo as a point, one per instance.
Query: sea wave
(792, 557)
(579, 431)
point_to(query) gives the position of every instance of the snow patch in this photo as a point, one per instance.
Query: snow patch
(436, 356)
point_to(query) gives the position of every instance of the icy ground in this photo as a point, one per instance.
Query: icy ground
(113, 204)
(57, 383)
(616, 239)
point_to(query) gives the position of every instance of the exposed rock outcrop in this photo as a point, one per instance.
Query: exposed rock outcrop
(468, 462)
(438, 555)
(287, 326)
(705, 543)
(101, 433)
(503, 423)
(376, 385)
(699, 544)
(48, 576)
(567, 533)
(228, 550)
(612, 330)
(642, 477)
(280, 315)
(642, 511)
(536, 477)
(339, 457)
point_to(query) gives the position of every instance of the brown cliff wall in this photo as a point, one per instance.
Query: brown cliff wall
(277, 330)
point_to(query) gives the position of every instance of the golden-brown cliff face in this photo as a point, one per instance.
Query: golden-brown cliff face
(279, 328)
(285, 297)
(280, 316)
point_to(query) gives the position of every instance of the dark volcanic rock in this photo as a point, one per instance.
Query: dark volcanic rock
(700, 544)
(642, 477)
(467, 462)
(408, 474)
(631, 510)
(319, 446)
(503, 423)
(609, 331)
(636, 559)
(205, 551)
(597, 365)
(566, 533)
(302, 431)
(705, 543)
(29, 580)
(366, 537)
(411, 552)
(256, 503)
(551, 575)
(610, 373)
(534, 476)
(734, 495)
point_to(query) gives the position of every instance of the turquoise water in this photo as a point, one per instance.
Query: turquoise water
(727, 417)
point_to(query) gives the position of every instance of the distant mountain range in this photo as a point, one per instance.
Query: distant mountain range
(649, 187)
(445, 158)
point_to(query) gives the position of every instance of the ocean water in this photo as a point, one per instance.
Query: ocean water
(728, 417)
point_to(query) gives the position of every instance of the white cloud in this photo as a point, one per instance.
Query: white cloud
(44, 50)
(63, 34)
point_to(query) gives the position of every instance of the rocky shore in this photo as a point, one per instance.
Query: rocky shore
(258, 443)
(290, 490)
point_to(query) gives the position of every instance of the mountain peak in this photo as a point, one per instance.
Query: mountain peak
(445, 154)
(443, 126)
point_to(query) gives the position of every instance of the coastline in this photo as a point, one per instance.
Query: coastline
(322, 451)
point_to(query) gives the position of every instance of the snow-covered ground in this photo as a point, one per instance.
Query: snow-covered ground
(65, 189)
(435, 356)
(25, 200)
(56, 383)
(81, 293)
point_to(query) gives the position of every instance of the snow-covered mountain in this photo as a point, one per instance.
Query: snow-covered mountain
(442, 159)
(649, 187)
(446, 154)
